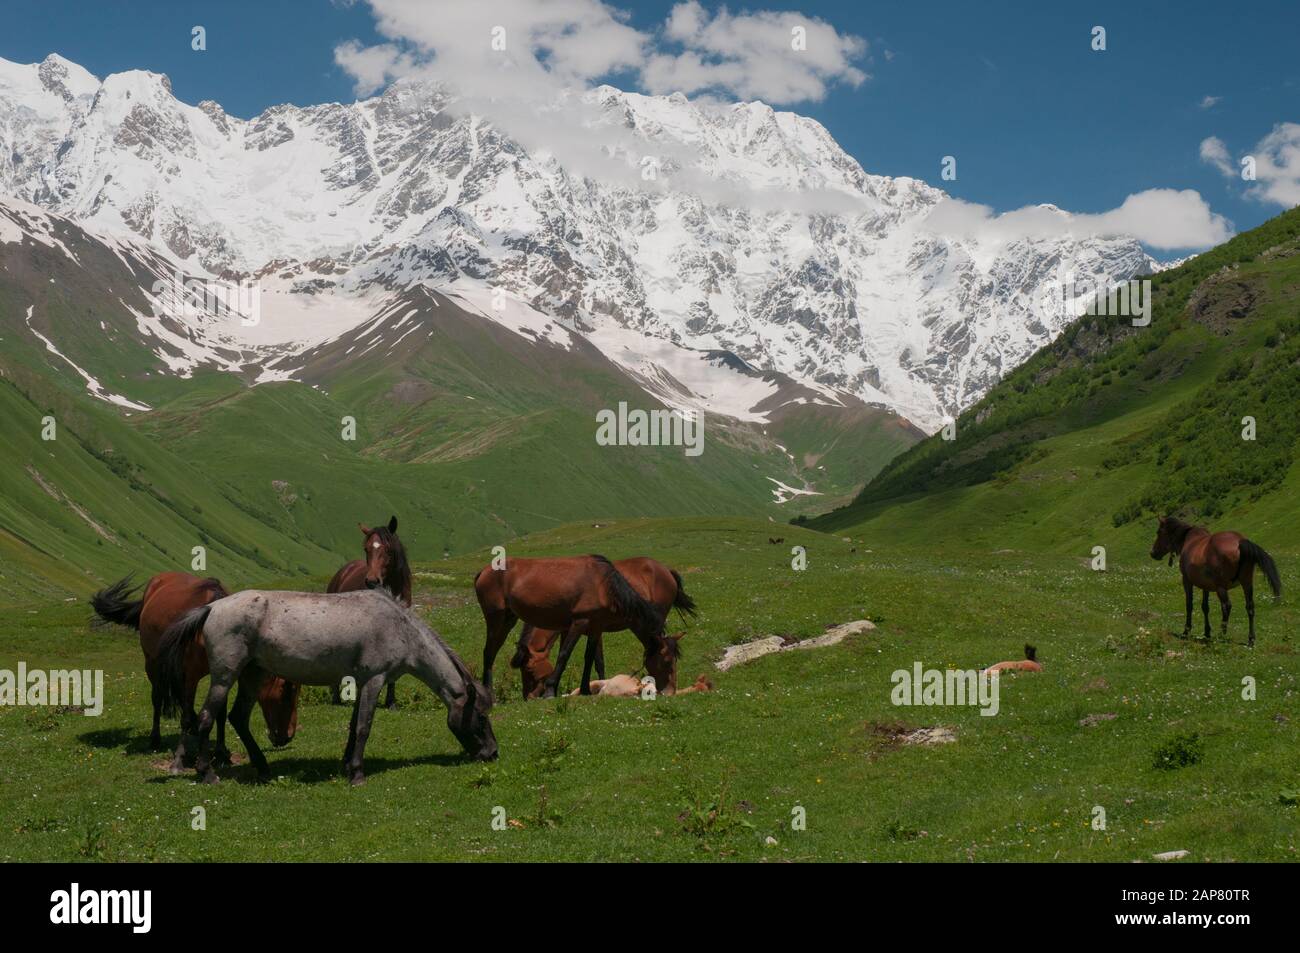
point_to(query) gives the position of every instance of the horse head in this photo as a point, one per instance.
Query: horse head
(469, 722)
(384, 554)
(279, 701)
(661, 655)
(1169, 538)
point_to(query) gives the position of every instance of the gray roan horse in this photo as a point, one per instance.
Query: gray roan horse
(317, 639)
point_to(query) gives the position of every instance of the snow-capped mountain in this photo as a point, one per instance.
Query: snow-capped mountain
(718, 228)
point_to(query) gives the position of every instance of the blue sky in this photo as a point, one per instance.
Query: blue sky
(1013, 90)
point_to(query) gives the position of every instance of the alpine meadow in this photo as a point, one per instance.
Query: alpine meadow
(365, 416)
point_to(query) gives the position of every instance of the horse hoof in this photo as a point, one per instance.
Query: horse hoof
(221, 759)
(209, 778)
(357, 779)
(176, 767)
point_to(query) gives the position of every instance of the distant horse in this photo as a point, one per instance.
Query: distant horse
(581, 595)
(384, 565)
(650, 578)
(317, 639)
(167, 596)
(1215, 562)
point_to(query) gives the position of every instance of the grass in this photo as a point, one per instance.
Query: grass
(717, 775)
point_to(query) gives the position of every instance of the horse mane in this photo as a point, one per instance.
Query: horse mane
(479, 697)
(628, 602)
(1179, 529)
(213, 585)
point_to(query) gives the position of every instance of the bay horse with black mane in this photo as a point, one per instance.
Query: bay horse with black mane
(385, 565)
(654, 581)
(167, 597)
(580, 595)
(1215, 562)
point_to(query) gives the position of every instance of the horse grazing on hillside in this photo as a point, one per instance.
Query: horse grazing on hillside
(317, 639)
(167, 596)
(385, 565)
(654, 581)
(1215, 562)
(581, 595)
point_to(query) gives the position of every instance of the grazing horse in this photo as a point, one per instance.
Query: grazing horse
(166, 597)
(317, 639)
(384, 565)
(650, 578)
(1215, 562)
(581, 595)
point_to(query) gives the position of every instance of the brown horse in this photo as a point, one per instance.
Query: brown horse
(1215, 562)
(650, 578)
(581, 595)
(167, 597)
(384, 565)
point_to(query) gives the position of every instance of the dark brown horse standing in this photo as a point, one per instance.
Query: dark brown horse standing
(654, 581)
(1215, 563)
(167, 597)
(581, 595)
(384, 565)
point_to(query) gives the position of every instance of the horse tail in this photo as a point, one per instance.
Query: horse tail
(114, 604)
(641, 614)
(683, 603)
(1265, 562)
(176, 641)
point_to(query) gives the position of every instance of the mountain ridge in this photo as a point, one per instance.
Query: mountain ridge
(730, 244)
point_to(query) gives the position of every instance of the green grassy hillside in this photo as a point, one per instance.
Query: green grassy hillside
(1111, 424)
(714, 775)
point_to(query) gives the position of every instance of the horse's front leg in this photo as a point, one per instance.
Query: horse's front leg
(1205, 611)
(1187, 591)
(566, 649)
(250, 683)
(1226, 602)
(593, 648)
(600, 656)
(363, 717)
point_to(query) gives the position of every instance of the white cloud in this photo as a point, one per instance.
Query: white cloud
(1277, 165)
(753, 55)
(558, 43)
(1209, 102)
(1161, 218)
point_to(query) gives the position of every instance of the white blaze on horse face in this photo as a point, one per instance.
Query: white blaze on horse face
(375, 544)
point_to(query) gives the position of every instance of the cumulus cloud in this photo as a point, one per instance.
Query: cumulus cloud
(1276, 165)
(1161, 218)
(781, 57)
(777, 57)
(1209, 102)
